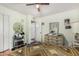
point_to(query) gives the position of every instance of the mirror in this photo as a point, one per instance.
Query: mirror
(54, 27)
(18, 27)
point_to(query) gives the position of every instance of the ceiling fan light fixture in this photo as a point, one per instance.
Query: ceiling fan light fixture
(37, 6)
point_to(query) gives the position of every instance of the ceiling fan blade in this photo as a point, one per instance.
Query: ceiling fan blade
(44, 3)
(30, 4)
(37, 3)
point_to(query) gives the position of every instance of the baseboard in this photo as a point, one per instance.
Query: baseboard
(4, 51)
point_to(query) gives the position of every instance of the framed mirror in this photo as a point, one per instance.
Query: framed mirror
(54, 27)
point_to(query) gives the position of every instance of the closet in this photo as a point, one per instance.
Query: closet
(4, 32)
(1, 33)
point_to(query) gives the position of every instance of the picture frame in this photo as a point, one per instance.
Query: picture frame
(67, 24)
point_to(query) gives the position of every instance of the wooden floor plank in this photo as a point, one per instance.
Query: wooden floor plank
(48, 50)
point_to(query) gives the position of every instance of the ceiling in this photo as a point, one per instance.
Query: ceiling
(53, 8)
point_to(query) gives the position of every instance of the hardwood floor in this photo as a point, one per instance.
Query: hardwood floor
(45, 50)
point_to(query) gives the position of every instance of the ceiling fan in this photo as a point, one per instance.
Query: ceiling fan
(37, 5)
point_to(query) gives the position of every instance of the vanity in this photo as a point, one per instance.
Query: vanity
(54, 39)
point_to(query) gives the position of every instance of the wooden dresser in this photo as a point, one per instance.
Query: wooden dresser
(54, 39)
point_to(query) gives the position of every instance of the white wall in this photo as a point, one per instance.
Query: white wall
(29, 36)
(13, 17)
(73, 15)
